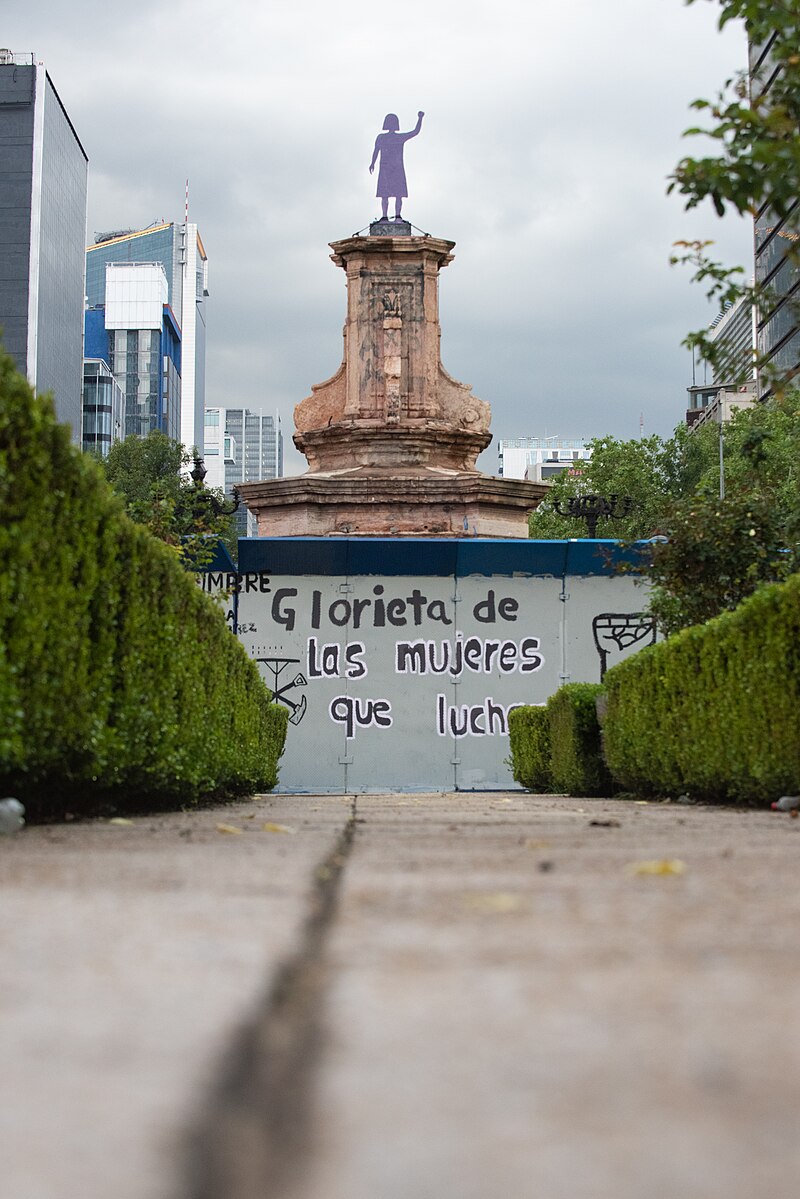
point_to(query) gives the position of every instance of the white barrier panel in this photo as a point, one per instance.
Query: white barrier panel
(403, 680)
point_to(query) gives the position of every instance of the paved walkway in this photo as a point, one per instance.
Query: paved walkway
(405, 997)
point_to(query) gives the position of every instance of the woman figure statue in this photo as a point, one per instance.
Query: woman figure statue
(392, 175)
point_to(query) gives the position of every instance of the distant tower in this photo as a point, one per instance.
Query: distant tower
(242, 446)
(43, 175)
(180, 251)
(194, 291)
(135, 333)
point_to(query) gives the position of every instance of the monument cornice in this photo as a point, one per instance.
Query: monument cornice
(343, 486)
(422, 502)
(436, 247)
(369, 443)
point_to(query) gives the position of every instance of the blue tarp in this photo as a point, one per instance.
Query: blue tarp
(457, 557)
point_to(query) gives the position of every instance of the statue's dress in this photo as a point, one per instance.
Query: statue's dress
(392, 175)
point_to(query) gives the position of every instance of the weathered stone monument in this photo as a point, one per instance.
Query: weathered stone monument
(391, 439)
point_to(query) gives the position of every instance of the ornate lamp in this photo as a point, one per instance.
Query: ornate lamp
(592, 507)
(218, 506)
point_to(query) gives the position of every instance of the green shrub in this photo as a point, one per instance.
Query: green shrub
(557, 747)
(120, 682)
(576, 761)
(529, 738)
(714, 710)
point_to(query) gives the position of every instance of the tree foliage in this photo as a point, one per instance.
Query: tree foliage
(146, 472)
(719, 550)
(762, 454)
(654, 471)
(753, 163)
(718, 553)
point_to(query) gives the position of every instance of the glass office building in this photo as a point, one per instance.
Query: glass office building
(241, 446)
(103, 407)
(136, 334)
(150, 379)
(735, 331)
(180, 252)
(160, 244)
(43, 184)
(777, 257)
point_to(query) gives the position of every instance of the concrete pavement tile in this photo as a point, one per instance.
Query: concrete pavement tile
(129, 956)
(582, 1032)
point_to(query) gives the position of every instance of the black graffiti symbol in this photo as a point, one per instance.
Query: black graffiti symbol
(621, 629)
(276, 667)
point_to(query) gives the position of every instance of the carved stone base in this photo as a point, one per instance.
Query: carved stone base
(391, 227)
(427, 502)
(391, 439)
(372, 444)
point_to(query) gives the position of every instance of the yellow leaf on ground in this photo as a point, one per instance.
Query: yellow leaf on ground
(229, 828)
(658, 866)
(119, 820)
(496, 902)
(269, 827)
(536, 843)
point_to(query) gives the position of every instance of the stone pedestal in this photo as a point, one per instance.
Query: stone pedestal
(391, 439)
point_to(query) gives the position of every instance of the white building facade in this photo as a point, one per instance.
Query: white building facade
(192, 320)
(540, 459)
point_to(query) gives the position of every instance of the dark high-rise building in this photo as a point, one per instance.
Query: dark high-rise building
(777, 268)
(734, 332)
(43, 176)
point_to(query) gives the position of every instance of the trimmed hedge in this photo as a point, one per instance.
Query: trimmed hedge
(576, 761)
(715, 709)
(557, 747)
(120, 682)
(529, 738)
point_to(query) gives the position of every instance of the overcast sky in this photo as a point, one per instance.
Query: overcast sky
(550, 129)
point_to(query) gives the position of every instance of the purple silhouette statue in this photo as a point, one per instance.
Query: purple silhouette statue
(392, 175)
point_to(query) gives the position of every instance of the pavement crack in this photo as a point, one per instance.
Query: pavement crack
(253, 1132)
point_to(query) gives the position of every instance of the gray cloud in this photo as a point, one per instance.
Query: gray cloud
(549, 134)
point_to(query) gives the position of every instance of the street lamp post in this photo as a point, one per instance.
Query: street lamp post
(219, 507)
(592, 507)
